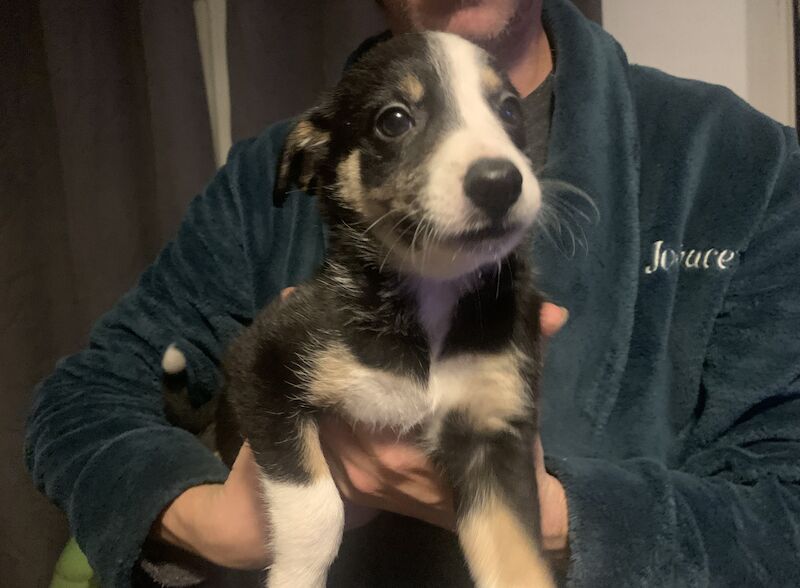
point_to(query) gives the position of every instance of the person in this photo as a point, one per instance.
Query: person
(670, 399)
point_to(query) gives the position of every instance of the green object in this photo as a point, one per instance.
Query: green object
(72, 569)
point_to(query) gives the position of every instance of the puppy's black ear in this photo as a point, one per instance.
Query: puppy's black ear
(305, 148)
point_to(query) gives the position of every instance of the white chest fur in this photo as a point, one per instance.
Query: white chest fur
(487, 388)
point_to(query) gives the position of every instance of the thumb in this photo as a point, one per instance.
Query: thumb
(552, 318)
(243, 481)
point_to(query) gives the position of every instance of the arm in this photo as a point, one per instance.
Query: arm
(98, 443)
(728, 511)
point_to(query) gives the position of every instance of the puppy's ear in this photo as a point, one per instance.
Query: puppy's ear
(305, 148)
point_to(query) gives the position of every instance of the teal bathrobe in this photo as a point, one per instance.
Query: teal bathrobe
(671, 400)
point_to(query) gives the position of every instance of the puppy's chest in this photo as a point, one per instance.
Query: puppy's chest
(488, 389)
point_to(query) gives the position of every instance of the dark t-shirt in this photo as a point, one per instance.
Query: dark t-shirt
(538, 109)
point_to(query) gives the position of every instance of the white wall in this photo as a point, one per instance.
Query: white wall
(211, 36)
(743, 44)
(770, 58)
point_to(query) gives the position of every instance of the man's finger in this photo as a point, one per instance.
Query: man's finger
(538, 456)
(552, 318)
(286, 292)
(245, 461)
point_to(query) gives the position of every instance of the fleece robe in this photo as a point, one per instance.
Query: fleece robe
(671, 400)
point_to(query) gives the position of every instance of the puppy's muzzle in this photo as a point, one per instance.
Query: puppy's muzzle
(493, 185)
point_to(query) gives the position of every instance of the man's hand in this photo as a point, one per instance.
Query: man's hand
(378, 471)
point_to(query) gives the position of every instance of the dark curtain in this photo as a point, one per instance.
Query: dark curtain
(104, 138)
(282, 55)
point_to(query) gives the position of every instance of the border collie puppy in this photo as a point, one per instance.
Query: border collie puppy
(422, 318)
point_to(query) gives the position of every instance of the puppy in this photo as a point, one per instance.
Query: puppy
(422, 317)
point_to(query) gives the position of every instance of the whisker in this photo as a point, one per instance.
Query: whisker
(380, 218)
(547, 221)
(553, 186)
(566, 217)
(427, 241)
(394, 243)
(414, 241)
(499, 269)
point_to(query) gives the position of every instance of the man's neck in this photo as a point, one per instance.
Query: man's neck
(531, 69)
(524, 50)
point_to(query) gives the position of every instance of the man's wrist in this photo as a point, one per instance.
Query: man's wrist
(179, 523)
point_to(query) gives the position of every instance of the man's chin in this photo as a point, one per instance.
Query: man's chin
(479, 23)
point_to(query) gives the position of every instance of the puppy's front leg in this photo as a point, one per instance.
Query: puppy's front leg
(303, 506)
(497, 507)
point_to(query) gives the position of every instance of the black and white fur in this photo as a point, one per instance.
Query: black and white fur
(422, 317)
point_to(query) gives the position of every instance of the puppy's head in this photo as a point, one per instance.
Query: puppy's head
(420, 148)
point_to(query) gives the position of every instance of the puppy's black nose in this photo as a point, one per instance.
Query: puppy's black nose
(493, 185)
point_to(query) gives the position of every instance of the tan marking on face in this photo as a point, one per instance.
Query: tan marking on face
(306, 136)
(491, 80)
(313, 459)
(412, 87)
(348, 175)
(370, 203)
(500, 553)
(312, 142)
(302, 132)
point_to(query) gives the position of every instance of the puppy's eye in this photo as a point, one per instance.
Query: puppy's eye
(393, 122)
(511, 111)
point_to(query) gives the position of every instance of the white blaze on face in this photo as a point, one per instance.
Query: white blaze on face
(478, 134)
